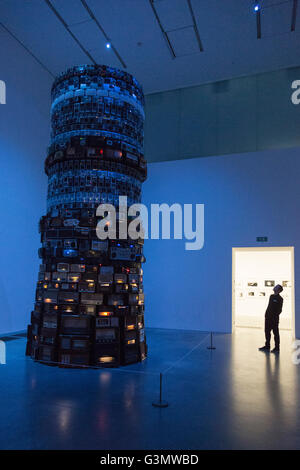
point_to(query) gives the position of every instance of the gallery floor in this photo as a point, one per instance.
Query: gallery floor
(231, 398)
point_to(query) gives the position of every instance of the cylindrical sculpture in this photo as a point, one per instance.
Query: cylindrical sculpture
(89, 306)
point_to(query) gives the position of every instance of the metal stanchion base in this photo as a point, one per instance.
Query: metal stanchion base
(211, 347)
(160, 404)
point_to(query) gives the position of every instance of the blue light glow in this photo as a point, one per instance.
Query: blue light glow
(108, 45)
(256, 8)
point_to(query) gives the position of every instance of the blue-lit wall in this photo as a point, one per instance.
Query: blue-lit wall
(24, 134)
(245, 196)
(243, 114)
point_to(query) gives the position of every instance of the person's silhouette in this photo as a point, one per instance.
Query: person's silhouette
(273, 311)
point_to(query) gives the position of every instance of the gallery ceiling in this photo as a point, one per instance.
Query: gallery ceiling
(166, 44)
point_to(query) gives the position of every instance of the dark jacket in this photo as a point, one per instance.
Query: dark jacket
(275, 306)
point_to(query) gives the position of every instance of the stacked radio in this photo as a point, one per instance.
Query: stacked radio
(89, 305)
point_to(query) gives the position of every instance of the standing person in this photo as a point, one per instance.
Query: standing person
(272, 319)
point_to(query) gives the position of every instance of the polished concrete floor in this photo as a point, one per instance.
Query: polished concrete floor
(231, 398)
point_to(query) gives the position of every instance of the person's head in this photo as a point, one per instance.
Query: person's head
(277, 289)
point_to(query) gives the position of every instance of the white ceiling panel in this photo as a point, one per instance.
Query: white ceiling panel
(173, 14)
(184, 41)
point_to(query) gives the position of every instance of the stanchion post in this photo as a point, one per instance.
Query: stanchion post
(160, 403)
(211, 342)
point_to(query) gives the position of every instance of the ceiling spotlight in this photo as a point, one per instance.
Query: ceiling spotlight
(108, 45)
(256, 8)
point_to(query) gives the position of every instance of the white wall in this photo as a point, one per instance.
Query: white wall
(24, 134)
(245, 196)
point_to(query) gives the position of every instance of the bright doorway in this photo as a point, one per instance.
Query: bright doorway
(255, 271)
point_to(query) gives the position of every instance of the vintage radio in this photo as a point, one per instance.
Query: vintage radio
(59, 276)
(39, 307)
(70, 253)
(70, 243)
(63, 267)
(66, 233)
(130, 354)
(141, 335)
(35, 328)
(50, 321)
(42, 268)
(106, 355)
(52, 244)
(99, 245)
(69, 309)
(134, 347)
(47, 353)
(74, 277)
(106, 322)
(130, 323)
(48, 338)
(107, 335)
(106, 270)
(36, 317)
(121, 288)
(52, 233)
(134, 288)
(121, 310)
(77, 268)
(75, 324)
(133, 278)
(86, 286)
(130, 338)
(50, 296)
(82, 231)
(48, 332)
(140, 321)
(88, 309)
(88, 221)
(56, 222)
(44, 276)
(68, 286)
(120, 278)
(42, 285)
(73, 359)
(105, 287)
(68, 297)
(106, 278)
(92, 299)
(74, 343)
(70, 222)
(39, 295)
(84, 245)
(115, 299)
(91, 268)
(121, 253)
(133, 299)
(90, 277)
(93, 255)
(143, 351)
(50, 308)
(105, 311)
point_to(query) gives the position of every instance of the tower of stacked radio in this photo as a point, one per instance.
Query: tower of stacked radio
(89, 306)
